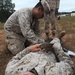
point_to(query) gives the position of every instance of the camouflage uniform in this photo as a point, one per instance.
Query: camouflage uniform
(44, 63)
(21, 26)
(54, 6)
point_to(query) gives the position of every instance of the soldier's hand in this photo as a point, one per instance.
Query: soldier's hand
(34, 48)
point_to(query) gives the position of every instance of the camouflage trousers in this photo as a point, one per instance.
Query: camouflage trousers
(50, 19)
(15, 42)
(44, 63)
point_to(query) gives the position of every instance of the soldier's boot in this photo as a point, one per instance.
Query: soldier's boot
(61, 34)
(47, 35)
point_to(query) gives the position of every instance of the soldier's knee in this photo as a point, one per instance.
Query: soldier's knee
(55, 40)
(14, 49)
(57, 45)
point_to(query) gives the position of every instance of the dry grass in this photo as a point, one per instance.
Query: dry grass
(1, 25)
(66, 23)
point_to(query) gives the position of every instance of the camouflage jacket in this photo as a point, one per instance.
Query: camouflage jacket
(22, 23)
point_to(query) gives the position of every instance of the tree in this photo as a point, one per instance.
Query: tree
(6, 9)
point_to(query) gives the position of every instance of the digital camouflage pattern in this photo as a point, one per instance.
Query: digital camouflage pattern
(44, 63)
(19, 27)
(53, 6)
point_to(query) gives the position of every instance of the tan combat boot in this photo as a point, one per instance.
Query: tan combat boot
(61, 34)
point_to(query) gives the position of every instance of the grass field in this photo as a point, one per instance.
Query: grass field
(1, 25)
(65, 23)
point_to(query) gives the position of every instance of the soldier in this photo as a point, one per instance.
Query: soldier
(54, 6)
(23, 25)
(34, 61)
